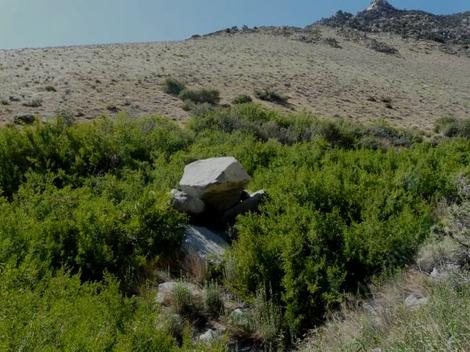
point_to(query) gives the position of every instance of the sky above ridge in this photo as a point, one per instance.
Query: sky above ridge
(41, 23)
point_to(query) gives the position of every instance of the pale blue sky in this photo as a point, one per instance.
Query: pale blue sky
(39, 23)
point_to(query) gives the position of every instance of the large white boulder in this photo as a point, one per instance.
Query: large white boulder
(218, 182)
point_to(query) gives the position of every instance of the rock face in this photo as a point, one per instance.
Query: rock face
(186, 203)
(218, 182)
(380, 16)
(380, 5)
(203, 245)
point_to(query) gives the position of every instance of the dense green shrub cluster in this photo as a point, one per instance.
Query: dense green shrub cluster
(200, 96)
(173, 86)
(345, 203)
(294, 128)
(272, 96)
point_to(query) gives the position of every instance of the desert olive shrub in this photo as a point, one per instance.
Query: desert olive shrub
(61, 313)
(172, 86)
(242, 99)
(90, 231)
(76, 152)
(92, 198)
(294, 128)
(336, 218)
(200, 96)
(271, 95)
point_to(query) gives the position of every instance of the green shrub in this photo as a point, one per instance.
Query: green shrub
(242, 99)
(172, 86)
(346, 203)
(213, 300)
(288, 129)
(272, 96)
(453, 127)
(33, 103)
(182, 300)
(58, 312)
(200, 96)
(51, 89)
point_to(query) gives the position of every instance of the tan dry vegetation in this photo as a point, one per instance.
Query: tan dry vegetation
(353, 82)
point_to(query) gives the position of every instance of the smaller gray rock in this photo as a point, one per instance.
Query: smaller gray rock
(203, 245)
(209, 336)
(444, 272)
(186, 203)
(415, 301)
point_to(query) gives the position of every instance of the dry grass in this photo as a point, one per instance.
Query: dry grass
(424, 83)
(386, 324)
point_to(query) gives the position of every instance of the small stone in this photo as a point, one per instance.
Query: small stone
(208, 336)
(415, 301)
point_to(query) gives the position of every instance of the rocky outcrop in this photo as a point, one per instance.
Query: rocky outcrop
(213, 189)
(218, 182)
(381, 16)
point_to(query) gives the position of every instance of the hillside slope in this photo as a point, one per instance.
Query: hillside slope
(328, 71)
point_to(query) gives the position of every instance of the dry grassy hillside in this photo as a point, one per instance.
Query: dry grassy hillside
(412, 88)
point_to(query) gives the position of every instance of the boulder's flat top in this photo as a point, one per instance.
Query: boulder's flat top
(205, 172)
(423, 83)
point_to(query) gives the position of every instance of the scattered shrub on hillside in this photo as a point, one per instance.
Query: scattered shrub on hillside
(33, 103)
(288, 129)
(200, 96)
(242, 99)
(453, 127)
(173, 86)
(51, 89)
(272, 96)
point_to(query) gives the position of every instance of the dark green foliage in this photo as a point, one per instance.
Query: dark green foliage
(242, 99)
(173, 86)
(200, 96)
(453, 127)
(288, 129)
(345, 203)
(58, 312)
(272, 96)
